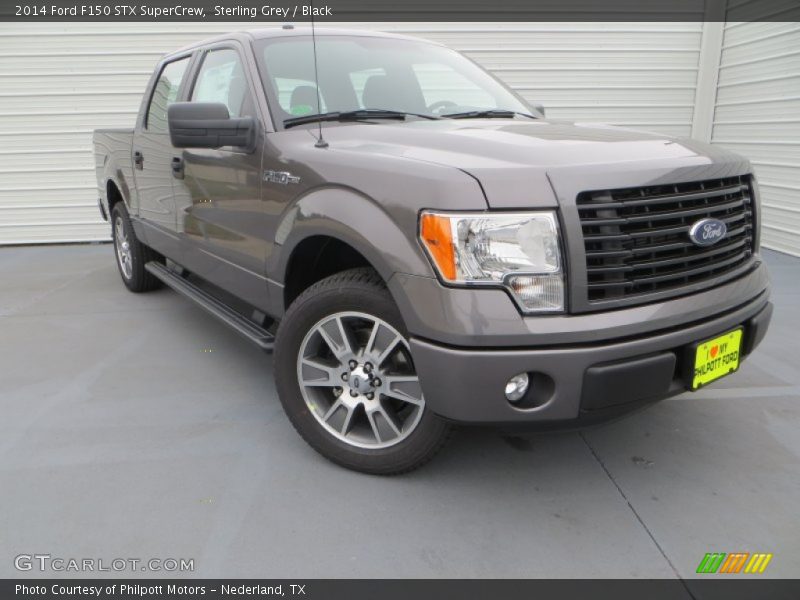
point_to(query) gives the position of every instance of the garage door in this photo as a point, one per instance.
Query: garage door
(757, 114)
(59, 82)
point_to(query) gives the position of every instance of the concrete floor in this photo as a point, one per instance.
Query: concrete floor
(136, 426)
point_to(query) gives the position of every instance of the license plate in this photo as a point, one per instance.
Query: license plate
(716, 358)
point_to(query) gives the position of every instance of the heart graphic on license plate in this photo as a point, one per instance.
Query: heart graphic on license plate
(714, 351)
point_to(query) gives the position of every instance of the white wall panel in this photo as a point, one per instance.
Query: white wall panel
(58, 82)
(757, 114)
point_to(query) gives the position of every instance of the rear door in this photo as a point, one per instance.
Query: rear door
(221, 217)
(152, 155)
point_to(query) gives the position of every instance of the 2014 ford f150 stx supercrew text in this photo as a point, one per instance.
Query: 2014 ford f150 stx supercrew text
(420, 247)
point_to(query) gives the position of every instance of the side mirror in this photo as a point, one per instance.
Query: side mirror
(539, 107)
(208, 125)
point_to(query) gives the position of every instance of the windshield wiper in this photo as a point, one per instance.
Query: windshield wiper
(354, 115)
(488, 114)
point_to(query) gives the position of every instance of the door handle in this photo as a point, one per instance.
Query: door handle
(138, 160)
(177, 168)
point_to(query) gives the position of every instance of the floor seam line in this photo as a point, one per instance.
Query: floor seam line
(636, 514)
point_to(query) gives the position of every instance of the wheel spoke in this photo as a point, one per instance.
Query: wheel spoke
(374, 425)
(372, 336)
(402, 394)
(347, 343)
(332, 410)
(390, 420)
(401, 379)
(388, 350)
(348, 422)
(342, 350)
(331, 343)
(329, 379)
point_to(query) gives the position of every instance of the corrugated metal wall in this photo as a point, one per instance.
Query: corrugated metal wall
(757, 114)
(60, 81)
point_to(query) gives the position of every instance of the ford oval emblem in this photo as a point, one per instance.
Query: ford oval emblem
(706, 232)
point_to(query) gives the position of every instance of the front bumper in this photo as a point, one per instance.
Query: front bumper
(584, 382)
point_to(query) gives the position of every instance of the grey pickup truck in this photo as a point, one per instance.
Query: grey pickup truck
(420, 247)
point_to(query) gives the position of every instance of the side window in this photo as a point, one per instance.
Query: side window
(222, 79)
(164, 94)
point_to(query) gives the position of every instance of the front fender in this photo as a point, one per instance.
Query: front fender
(388, 242)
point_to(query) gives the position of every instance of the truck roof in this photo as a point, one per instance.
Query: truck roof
(290, 31)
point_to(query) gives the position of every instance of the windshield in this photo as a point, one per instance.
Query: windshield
(357, 73)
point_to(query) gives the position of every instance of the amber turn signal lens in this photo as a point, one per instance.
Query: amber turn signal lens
(438, 239)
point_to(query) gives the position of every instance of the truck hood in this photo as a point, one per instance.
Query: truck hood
(521, 163)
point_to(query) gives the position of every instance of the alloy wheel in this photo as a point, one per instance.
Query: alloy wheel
(357, 378)
(123, 247)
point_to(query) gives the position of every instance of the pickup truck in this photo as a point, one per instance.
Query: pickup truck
(420, 247)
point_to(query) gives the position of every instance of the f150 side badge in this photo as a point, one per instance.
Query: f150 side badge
(282, 177)
(706, 232)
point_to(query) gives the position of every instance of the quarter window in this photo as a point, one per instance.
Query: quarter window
(164, 94)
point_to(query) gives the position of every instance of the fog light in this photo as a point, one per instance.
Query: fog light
(516, 387)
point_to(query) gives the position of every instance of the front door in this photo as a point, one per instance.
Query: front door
(218, 199)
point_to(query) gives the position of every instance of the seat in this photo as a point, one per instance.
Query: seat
(381, 92)
(303, 100)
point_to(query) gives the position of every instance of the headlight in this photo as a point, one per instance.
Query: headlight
(519, 251)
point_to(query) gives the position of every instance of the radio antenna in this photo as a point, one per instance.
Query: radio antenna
(321, 143)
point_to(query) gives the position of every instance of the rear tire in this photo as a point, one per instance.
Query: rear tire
(346, 379)
(132, 255)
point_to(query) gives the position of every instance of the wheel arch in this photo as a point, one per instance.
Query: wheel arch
(113, 196)
(113, 186)
(342, 225)
(315, 258)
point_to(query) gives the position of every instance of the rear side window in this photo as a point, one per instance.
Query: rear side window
(222, 79)
(164, 94)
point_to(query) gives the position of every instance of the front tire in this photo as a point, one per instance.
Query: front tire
(131, 254)
(346, 379)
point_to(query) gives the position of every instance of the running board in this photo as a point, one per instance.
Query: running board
(258, 335)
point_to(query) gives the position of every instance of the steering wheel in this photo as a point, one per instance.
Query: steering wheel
(437, 107)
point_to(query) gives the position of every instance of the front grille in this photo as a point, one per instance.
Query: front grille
(637, 239)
